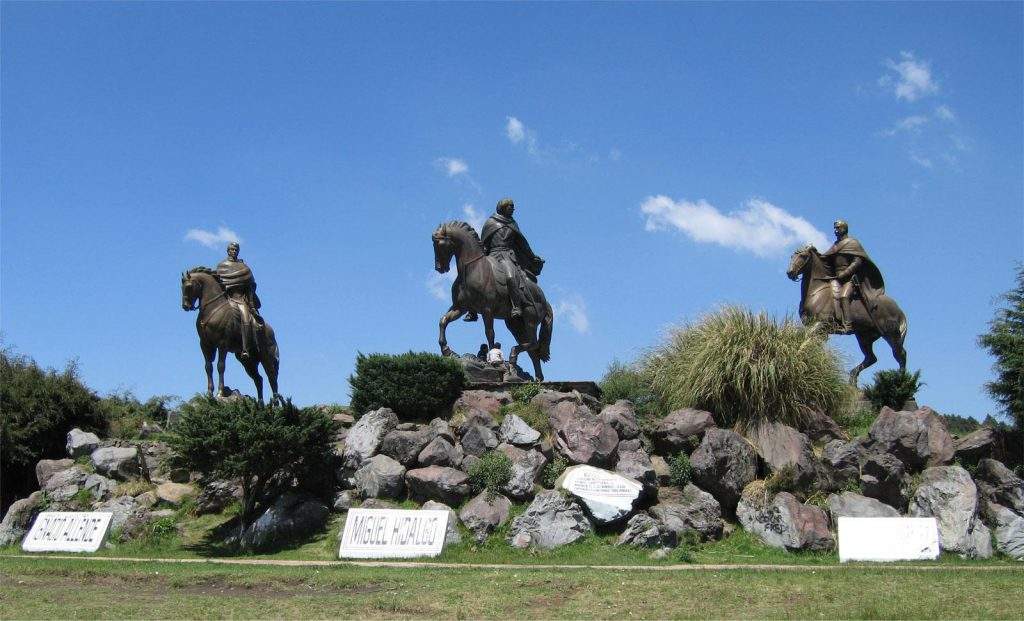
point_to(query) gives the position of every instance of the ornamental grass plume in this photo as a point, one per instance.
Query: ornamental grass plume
(745, 368)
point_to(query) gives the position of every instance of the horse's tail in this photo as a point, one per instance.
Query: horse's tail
(547, 325)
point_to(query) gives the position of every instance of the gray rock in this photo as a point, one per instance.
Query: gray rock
(644, 531)
(99, 486)
(1007, 529)
(442, 429)
(291, 517)
(149, 429)
(637, 465)
(919, 439)
(849, 504)
(468, 462)
(661, 469)
(483, 515)
(550, 521)
(695, 510)
(547, 400)
(883, 477)
(783, 521)
(724, 464)
(404, 446)
(607, 497)
(19, 518)
(62, 486)
(681, 431)
(478, 439)
(1000, 484)
(622, 417)
(381, 477)
(174, 493)
(46, 468)
(781, 446)
(118, 463)
(364, 438)
(451, 533)
(440, 452)
(81, 443)
(948, 494)
(123, 509)
(843, 459)
(582, 437)
(343, 501)
(515, 430)
(378, 503)
(820, 427)
(215, 496)
(481, 401)
(975, 446)
(526, 468)
(628, 446)
(439, 483)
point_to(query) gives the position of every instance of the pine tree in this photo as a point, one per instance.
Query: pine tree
(1005, 341)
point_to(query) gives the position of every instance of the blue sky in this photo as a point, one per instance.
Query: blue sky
(664, 158)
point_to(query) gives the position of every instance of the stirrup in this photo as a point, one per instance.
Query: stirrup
(470, 317)
(517, 313)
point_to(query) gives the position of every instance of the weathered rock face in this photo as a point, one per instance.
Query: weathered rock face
(724, 464)
(124, 509)
(781, 446)
(481, 401)
(526, 468)
(441, 452)
(636, 465)
(214, 496)
(622, 417)
(19, 519)
(478, 439)
(681, 430)
(696, 510)
(661, 469)
(849, 504)
(81, 443)
(404, 446)
(483, 515)
(174, 493)
(882, 477)
(948, 494)
(644, 531)
(1007, 528)
(975, 446)
(118, 463)
(843, 459)
(821, 428)
(1000, 484)
(99, 486)
(62, 485)
(550, 521)
(607, 497)
(292, 516)
(451, 533)
(919, 439)
(515, 430)
(46, 468)
(546, 400)
(381, 477)
(582, 437)
(783, 521)
(364, 438)
(439, 483)
(343, 501)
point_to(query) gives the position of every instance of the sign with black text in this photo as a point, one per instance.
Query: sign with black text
(67, 531)
(393, 533)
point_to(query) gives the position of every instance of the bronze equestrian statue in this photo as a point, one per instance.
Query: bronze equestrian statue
(497, 278)
(229, 321)
(844, 290)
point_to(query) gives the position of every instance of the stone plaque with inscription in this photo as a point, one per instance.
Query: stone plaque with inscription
(607, 496)
(67, 531)
(393, 533)
(888, 539)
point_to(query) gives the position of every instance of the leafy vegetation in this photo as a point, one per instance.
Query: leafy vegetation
(680, 470)
(627, 382)
(1005, 341)
(531, 414)
(491, 473)
(125, 414)
(524, 393)
(417, 386)
(856, 421)
(892, 388)
(552, 470)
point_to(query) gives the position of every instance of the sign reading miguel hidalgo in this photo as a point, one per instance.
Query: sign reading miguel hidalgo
(393, 533)
(60, 531)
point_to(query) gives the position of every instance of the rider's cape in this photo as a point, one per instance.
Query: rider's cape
(524, 254)
(237, 275)
(871, 282)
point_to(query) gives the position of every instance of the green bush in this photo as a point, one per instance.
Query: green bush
(745, 367)
(1005, 341)
(551, 471)
(531, 414)
(125, 413)
(491, 473)
(680, 471)
(892, 388)
(268, 448)
(857, 421)
(37, 409)
(623, 381)
(524, 393)
(417, 386)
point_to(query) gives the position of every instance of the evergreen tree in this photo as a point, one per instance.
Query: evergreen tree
(1005, 341)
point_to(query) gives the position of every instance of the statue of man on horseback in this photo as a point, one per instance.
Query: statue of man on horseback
(855, 272)
(240, 287)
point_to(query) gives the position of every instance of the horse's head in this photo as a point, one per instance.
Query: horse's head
(799, 261)
(455, 238)
(190, 292)
(444, 249)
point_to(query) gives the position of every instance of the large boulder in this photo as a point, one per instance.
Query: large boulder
(81, 443)
(582, 437)
(948, 494)
(975, 446)
(451, 533)
(439, 483)
(484, 514)
(783, 521)
(724, 464)
(121, 463)
(919, 438)
(46, 468)
(607, 497)
(781, 446)
(821, 428)
(681, 430)
(478, 439)
(1000, 485)
(550, 521)
(364, 438)
(849, 504)
(636, 464)
(99, 486)
(404, 445)
(291, 517)
(694, 510)
(19, 518)
(215, 496)
(174, 493)
(124, 510)
(843, 460)
(440, 452)
(547, 400)
(1007, 529)
(515, 430)
(883, 478)
(526, 468)
(481, 401)
(381, 477)
(61, 486)
(622, 417)
(644, 531)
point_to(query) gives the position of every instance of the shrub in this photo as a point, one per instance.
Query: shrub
(856, 421)
(622, 381)
(782, 480)
(1005, 341)
(892, 388)
(125, 413)
(417, 386)
(491, 473)
(524, 393)
(37, 409)
(551, 471)
(745, 367)
(268, 448)
(531, 414)
(680, 471)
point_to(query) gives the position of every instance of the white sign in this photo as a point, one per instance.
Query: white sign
(608, 496)
(61, 531)
(393, 533)
(888, 539)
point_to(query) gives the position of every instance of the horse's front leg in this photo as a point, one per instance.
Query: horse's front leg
(208, 355)
(489, 329)
(453, 313)
(865, 343)
(222, 355)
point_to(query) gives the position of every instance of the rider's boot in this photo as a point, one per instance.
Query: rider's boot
(470, 316)
(846, 327)
(837, 307)
(517, 313)
(246, 342)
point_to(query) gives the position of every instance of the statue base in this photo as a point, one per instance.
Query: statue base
(500, 376)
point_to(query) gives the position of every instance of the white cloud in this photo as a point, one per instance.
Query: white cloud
(473, 217)
(907, 124)
(945, 113)
(440, 285)
(518, 133)
(223, 236)
(913, 78)
(453, 166)
(760, 227)
(922, 161)
(574, 309)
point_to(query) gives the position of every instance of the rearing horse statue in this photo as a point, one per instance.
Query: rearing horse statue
(220, 332)
(482, 287)
(884, 319)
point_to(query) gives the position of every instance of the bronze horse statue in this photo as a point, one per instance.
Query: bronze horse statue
(871, 319)
(482, 287)
(220, 332)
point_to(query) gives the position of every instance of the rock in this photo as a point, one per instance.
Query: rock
(820, 427)
(550, 521)
(919, 439)
(62, 486)
(515, 430)
(681, 431)
(19, 518)
(174, 493)
(849, 504)
(147, 499)
(364, 438)
(480, 372)
(843, 460)
(179, 475)
(342, 501)
(636, 465)
(975, 446)
(582, 437)
(46, 468)
(149, 429)
(451, 533)
(661, 469)
(478, 439)
(628, 446)
(441, 429)
(380, 477)
(883, 477)
(81, 443)
(547, 400)
(439, 483)
(378, 503)
(724, 464)
(215, 496)
(622, 417)
(481, 401)
(118, 463)
(948, 494)
(781, 446)
(483, 515)
(696, 510)
(607, 497)
(291, 517)
(468, 462)
(440, 452)
(644, 531)
(783, 521)
(343, 419)
(122, 508)
(1000, 484)
(99, 486)
(477, 417)
(1007, 529)
(404, 446)
(526, 467)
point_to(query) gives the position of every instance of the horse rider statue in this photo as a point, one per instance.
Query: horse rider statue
(240, 288)
(855, 273)
(504, 241)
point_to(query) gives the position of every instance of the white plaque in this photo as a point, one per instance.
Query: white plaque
(393, 533)
(67, 531)
(888, 539)
(609, 496)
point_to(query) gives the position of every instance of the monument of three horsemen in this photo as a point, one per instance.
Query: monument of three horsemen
(497, 272)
